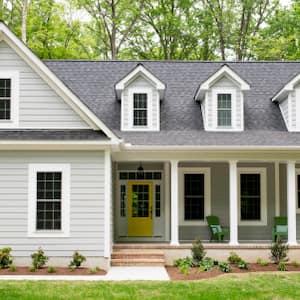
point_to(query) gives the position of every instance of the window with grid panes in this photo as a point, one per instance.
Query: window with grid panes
(224, 110)
(49, 194)
(5, 99)
(250, 196)
(194, 196)
(140, 109)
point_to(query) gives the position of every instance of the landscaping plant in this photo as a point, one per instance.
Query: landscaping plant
(225, 267)
(243, 265)
(295, 263)
(206, 264)
(234, 258)
(51, 269)
(198, 252)
(39, 259)
(184, 264)
(77, 260)
(279, 252)
(5, 258)
(281, 266)
(12, 268)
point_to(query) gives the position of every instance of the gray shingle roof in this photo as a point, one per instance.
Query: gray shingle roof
(181, 119)
(48, 134)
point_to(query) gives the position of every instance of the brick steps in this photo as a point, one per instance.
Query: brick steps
(129, 256)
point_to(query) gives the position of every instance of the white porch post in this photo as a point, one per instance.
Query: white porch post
(233, 202)
(291, 202)
(174, 202)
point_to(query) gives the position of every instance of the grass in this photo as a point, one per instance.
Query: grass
(248, 286)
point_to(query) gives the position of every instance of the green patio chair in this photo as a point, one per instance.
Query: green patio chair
(217, 232)
(280, 228)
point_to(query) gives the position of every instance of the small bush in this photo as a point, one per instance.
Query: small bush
(225, 267)
(5, 258)
(206, 264)
(184, 269)
(77, 259)
(279, 252)
(93, 270)
(72, 268)
(295, 264)
(39, 259)
(12, 268)
(258, 261)
(243, 265)
(281, 266)
(234, 258)
(51, 269)
(32, 268)
(198, 252)
(216, 262)
(183, 261)
(264, 263)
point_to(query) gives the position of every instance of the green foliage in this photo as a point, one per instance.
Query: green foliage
(279, 252)
(12, 268)
(198, 252)
(206, 264)
(32, 268)
(295, 264)
(243, 265)
(77, 259)
(5, 257)
(264, 263)
(183, 261)
(225, 267)
(184, 269)
(281, 266)
(72, 268)
(234, 258)
(93, 270)
(51, 269)
(259, 260)
(39, 259)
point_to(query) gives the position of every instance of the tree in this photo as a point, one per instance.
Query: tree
(112, 22)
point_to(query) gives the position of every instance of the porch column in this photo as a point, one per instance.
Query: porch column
(233, 202)
(291, 202)
(174, 202)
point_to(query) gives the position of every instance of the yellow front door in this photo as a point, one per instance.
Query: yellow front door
(139, 208)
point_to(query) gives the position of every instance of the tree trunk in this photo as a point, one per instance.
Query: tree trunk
(24, 21)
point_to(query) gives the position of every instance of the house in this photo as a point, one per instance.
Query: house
(101, 153)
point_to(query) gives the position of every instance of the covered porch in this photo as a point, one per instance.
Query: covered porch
(245, 190)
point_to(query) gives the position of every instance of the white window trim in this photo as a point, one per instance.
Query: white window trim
(140, 90)
(297, 208)
(263, 196)
(207, 194)
(65, 201)
(14, 104)
(215, 92)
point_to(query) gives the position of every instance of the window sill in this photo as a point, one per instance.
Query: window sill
(193, 223)
(253, 223)
(48, 234)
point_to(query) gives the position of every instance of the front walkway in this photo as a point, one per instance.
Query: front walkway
(114, 274)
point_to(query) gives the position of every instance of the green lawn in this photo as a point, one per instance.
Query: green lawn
(281, 286)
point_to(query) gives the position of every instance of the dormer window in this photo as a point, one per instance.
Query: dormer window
(5, 98)
(222, 100)
(224, 110)
(140, 112)
(140, 93)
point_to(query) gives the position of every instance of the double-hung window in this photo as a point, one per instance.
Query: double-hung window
(252, 196)
(224, 110)
(49, 199)
(9, 99)
(140, 109)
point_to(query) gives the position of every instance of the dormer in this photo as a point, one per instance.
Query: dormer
(140, 93)
(289, 103)
(222, 101)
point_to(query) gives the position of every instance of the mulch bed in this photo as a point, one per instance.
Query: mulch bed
(44, 271)
(195, 274)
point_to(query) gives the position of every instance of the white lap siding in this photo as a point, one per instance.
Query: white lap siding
(86, 203)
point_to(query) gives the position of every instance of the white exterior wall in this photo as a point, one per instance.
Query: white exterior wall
(153, 105)
(39, 106)
(211, 106)
(86, 203)
(284, 107)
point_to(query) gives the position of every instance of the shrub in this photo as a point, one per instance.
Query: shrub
(32, 268)
(225, 267)
(51, 269)
(5, 258)
(234, 258)
(198, 252)
(183, 261)
(12, 268)
(184, 269)
(279, 252)
(93, 270)
(39, 259)
(264, 263)
(72, 268)
(281, 266)
(243, 265)
(206, 264)
(77, 259)
(295, 263)
(258, 261)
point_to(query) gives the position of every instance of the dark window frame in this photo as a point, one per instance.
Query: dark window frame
(224, 111)
(5, 99)
(140, 109)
